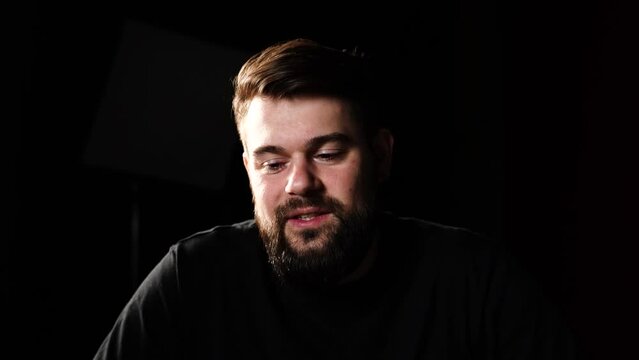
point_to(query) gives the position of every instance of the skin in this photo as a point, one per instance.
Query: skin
(304, 148)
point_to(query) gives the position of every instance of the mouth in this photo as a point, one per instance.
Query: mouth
(308, 216)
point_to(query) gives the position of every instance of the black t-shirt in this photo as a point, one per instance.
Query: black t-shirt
(434, 292)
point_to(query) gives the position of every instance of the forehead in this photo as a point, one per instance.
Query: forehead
(291, 122)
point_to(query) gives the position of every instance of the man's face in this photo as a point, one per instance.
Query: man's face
(313, 181)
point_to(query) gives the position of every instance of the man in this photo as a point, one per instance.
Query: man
(322, 272)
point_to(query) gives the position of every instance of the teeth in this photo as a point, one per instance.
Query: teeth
(306, 217)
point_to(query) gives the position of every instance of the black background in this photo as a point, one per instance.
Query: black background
(517, 119)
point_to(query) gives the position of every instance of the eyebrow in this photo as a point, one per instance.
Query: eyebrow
(312, 143)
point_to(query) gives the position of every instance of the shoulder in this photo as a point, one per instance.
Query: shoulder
(433, 235)
(219, 235)
(220, 243)
(448, 248)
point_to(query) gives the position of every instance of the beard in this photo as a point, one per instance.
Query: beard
(345, 244)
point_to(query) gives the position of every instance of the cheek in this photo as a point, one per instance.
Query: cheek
(258, 189)
(345, 185)
(264, 193)
(362, 182)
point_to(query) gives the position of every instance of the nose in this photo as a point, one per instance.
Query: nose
(302, 180)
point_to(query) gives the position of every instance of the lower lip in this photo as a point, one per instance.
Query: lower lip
(314, 222)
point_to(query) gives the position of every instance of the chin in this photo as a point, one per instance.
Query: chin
(308, 241)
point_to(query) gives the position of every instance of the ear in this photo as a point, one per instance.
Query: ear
(383, 150)
(245, 160)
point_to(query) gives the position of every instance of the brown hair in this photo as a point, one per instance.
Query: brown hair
(302, 67)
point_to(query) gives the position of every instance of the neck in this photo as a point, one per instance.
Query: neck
(365, 266)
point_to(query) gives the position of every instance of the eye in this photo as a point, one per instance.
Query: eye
(272, 166)
(329, 156)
